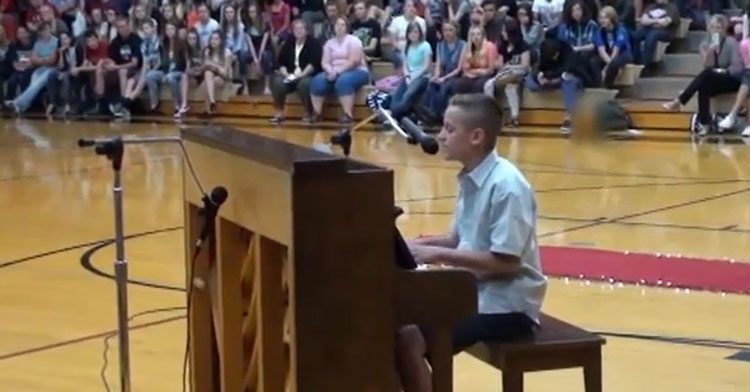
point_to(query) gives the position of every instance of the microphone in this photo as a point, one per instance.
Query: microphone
(211, 204)
(429, 145)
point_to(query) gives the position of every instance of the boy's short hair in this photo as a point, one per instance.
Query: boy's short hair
(489, 2)
(330, 3)
(90, 34)
(356, 2)
(479, 111)
(149, 23)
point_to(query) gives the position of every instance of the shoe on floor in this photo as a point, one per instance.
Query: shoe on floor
(727, 122)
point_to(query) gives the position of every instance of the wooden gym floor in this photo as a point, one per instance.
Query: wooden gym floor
(660, 194)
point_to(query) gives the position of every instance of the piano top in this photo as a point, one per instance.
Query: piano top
(276, 153)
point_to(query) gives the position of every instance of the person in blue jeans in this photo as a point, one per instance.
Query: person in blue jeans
(612, 43)
(44, 58)
(560, 67)
(447, 69)
(344, 71)
(659, 22)
(418, 58)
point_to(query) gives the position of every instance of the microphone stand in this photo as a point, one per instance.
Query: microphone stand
(114, 149)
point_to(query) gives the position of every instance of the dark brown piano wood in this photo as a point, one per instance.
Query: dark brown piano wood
(557, 345)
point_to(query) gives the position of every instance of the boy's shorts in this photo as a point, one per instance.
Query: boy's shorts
(746, 77)
(498, 327)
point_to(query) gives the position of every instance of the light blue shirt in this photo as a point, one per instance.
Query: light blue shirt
(496, 212)
(415, 59)
(46, 48)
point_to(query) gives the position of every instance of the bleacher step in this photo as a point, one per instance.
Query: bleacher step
(682, 64)
(690, 44)
(661, 88)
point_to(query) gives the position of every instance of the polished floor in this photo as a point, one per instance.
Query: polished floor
(658, 195)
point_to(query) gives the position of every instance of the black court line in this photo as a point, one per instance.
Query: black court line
(647, 212)
(83, 245)
(85, 338)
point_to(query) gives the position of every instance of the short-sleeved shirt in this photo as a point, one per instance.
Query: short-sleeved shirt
(450, 57)
(658, 11)
(512, 56)
(151, 51)
(609, 40)
(415, 57)
(548, 11)
(367, 31)
(496, 211)
(337, 52)
(205, 31)
(123, 50)
(45, 48)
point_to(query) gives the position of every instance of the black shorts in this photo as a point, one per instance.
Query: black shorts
(499, 327)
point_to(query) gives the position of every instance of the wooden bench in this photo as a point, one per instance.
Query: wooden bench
(628, 75)
(557, 345)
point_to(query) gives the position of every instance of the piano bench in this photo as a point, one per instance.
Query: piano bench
(556, 345)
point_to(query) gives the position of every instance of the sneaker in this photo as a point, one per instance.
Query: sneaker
(116, 110)
(565, 127)
(746, 131)
(184, 109)
(277, 119)
(701, 129)
(124, 113)
(177, 113)
(727, 122)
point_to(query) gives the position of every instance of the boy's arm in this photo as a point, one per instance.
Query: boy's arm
(480, 262)
(449, 240)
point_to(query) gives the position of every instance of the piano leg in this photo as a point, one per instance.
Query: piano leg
(440, 351)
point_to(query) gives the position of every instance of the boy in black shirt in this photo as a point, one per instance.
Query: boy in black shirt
(19, 56)
(125, 52)
(367, 30)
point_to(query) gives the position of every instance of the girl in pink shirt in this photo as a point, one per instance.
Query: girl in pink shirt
(742, 94)
(280, 15)
(344, 71)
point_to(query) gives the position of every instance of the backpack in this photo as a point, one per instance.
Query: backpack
(610, 116)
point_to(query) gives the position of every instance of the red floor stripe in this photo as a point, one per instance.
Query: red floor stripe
(595, 264)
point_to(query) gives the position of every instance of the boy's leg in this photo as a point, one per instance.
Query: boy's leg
(411, 351)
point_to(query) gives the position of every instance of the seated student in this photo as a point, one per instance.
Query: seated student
(742, 94)
(493, 235)
(279, 15)
(195, 68)
(174, 66)
(47, 15)
(397, 28)
(205, 26)
(625, 12)
(299, 60)
(70, 57)
(125, 52)
(367, 30)
(44, 61)
(237, 42)
(475, 19)
(721, 74)
(19, 56)
(561, 67)
(477, 63)
(549, 12)
(613, 45)
(327, 30)
(217, 65)
(417, 62)
(530, 28)
(659, 22)
(150, 74)
(578, 29)
(344, 70)
(92, 72)
(141, 13)
(493, 21)
(261, 48)
(447, 69)
(513, 63)
(6, 66)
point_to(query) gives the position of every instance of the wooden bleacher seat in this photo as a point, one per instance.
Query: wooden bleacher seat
(557, 345)
(661, 49)
(682, 31)
(628, 75)
(553, 99)
(380, 69)
(227, 91)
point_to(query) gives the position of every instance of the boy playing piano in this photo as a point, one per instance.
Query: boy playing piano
(493, 234)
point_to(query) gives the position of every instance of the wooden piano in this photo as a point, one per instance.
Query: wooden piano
(301, 291)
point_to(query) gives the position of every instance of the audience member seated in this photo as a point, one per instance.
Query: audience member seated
(513, 63)
(475, 19)
(299, 60)
(742, 94)
(344, 71)
(47, 15)
(261, 50)
(280, 15)
(127, 60)
(92, 73)
(418, 59)
(367, 30)
(140, 15)
(168, 15)
(397, 28)
(205, 26)
(195, 57)
(721, 74)
(237, 42)
(327, 29)
(612, 45)
(577, 29)
(44, 61)
(477, 63)
(150, 74)
(549, 12)
(69, 58)
(174, 66)
(659, 22)
(310, 11)
(624, 10)
(6, 66)
(561, 67)
(447, 69)
(530, 28)
(493, 21)
(217, 65)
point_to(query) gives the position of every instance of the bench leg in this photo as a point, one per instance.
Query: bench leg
(512, 381)
(592, 376)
